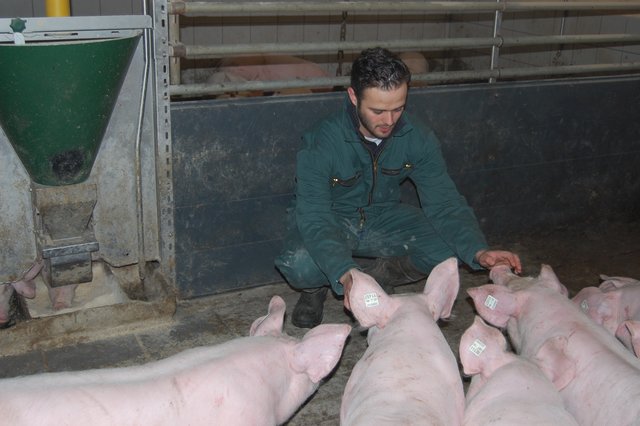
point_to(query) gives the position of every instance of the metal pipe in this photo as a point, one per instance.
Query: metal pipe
(202, 51)
(337, 7)
(138, 154)
(192, 90)
(495, 50)
(55, 8)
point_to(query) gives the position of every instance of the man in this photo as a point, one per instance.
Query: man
(347, 203)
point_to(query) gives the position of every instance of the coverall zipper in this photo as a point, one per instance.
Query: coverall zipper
(374, 169)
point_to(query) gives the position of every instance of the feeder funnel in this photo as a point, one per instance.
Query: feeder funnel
(56, 100)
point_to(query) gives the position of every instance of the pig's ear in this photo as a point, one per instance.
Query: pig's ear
(633, 329)
(272, 323)
(549, 279)
(26, 288)
(369, 303)
(612, 283)
(34, 270)
(494, 303)
(442, 288)
(480, 343)
(554, 362)
(320, 350)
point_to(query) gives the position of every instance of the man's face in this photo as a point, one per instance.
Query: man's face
(379, 110)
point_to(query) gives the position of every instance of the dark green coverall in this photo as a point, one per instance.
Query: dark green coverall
(347, 203)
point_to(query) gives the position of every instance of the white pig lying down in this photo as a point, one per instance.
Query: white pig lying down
(615, 305)
(506, 389)
(598, 378)
(408, 375)
(258, 380)
(267, 67)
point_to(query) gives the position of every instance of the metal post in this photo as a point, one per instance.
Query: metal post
(495, 49)
(174, 39)
(163, 148)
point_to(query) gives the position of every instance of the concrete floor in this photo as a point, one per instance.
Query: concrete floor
(578, 256)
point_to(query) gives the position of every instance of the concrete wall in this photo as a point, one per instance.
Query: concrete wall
(526, 156)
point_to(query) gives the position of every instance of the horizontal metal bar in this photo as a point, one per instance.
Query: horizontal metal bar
(193, 90)
(337, 7)
(570, 39)
(70, 249)
(80, 23)
(204, 51)
(212, 89)
(71, 35)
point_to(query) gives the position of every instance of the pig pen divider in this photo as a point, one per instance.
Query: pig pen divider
(497, 55)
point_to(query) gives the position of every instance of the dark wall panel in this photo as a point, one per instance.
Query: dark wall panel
(526, 157)
(233, 180)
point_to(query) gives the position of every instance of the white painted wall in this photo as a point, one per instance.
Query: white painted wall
(261, 29)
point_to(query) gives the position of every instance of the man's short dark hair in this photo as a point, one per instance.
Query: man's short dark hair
(378, 67)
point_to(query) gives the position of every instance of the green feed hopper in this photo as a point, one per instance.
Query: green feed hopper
(56, 100)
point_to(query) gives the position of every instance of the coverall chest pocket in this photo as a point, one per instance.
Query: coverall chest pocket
(397, 173)
(346, 186)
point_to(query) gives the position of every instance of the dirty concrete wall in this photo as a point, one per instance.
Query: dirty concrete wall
(527, 157)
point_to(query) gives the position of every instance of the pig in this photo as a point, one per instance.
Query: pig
(257, 380)
(614, 302)
(62, 297)
(267, 68)
(24, 287)
(506, 389)
(408, 374)
(598, 378)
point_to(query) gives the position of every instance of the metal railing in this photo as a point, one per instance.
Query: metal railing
(179, 50)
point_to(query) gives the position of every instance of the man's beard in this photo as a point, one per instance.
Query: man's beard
(369, 127)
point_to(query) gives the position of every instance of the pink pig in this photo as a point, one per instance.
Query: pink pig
(25, 287)
(615, 305)
(598, 378)
(408, 374)
(506, 389)
(257, 380)
(62, 297)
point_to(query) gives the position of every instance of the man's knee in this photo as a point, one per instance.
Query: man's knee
(299, 269)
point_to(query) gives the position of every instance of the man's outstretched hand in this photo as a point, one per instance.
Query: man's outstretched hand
(490, 258)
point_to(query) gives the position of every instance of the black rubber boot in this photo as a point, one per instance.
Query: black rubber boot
(308, 310)
(390, 272)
